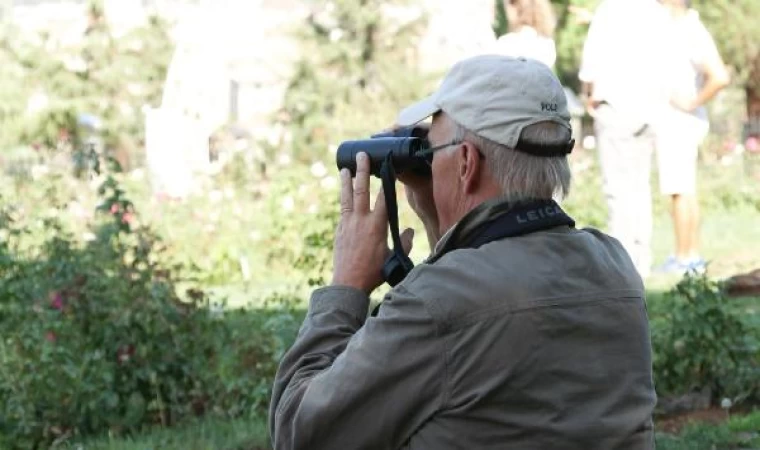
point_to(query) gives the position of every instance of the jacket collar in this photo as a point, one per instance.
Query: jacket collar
(468, 225)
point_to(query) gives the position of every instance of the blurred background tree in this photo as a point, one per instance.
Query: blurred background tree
(733, 24)
(48, 86)
(358, 69)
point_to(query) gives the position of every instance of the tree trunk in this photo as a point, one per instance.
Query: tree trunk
(753, 101)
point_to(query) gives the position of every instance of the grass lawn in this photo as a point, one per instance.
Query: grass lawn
(202, 435)
(737, 432)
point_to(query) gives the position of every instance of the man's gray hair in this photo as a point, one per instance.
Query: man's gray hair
(523, 176)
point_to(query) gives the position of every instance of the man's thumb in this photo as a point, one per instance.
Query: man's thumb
(407, 240)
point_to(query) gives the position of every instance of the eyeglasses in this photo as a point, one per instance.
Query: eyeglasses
(428, 152)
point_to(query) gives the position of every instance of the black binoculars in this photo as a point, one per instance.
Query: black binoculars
(405, 145)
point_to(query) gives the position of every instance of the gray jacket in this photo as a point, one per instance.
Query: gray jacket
(533, 342)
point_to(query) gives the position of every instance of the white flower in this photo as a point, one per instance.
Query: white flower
(88, 237)
(313, 209)
(726, 403)
(215, 196)
(39, 171)
(75, 64)
(284, 159)
(229, 193)
(37, 103)
(336, 34)
(245, 268)
(288, 203)
(77, 210)
(135, 89)
(255, 235)
(125, 108)
(589, 142)
(318, 169)
(240, 145)
(329, 182)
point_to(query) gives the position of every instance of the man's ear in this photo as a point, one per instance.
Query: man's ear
(470, 167)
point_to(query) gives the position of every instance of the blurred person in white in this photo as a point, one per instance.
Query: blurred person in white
(531, 31)
(696, 73)
(622, 70)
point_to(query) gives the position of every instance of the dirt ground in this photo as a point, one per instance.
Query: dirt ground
(676, 423)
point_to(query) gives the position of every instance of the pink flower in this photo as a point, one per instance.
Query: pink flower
(56, 300)
(128, 217)
(115, 208)
(50, 336)
(752, 144)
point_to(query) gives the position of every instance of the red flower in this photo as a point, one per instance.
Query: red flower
(56, 300)
(50, 337)
(124, 353)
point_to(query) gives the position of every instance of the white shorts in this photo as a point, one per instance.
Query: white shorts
(677, 151)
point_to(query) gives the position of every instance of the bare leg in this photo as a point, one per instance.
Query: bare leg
(685, 212)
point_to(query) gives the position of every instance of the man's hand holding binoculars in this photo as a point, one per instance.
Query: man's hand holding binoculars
(361, 240)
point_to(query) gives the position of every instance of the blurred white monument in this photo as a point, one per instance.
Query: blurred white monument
(235, 58)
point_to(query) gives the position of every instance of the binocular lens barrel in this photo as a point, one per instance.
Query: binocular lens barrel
(403, 150)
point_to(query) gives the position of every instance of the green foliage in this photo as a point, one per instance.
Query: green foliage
(355, 75)
(733, 25)
(700, 341)
(304, 214)
(569, 37)
(97, 339)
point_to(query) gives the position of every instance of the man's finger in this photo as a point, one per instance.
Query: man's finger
(381, 209)
(346, 192)
(407, 240)
(361, 188)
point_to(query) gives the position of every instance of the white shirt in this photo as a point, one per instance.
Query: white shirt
(624, 57)
(528, 43)
(691, 48)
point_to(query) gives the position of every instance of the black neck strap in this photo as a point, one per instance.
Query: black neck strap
(398, 264)
(523, 218)
(516, 220)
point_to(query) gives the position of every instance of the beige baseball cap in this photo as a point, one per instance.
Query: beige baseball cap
(496, 97)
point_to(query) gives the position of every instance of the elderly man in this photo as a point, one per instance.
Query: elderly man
(519, 331)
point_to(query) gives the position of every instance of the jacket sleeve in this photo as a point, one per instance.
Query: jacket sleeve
(347, 384)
